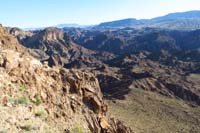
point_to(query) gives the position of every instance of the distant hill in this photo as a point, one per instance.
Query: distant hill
(177, 21)
(179, 15)
(122, 23)
(70, 25)
(61, 26)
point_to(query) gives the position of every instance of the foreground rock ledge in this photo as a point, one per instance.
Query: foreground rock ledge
(38, 98)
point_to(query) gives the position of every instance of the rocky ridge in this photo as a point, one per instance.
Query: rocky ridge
(9, 41)
(160, 64)
(56, 47)
(39, 98)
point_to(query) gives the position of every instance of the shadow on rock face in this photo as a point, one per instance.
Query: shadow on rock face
(113, 87)
(183, 93)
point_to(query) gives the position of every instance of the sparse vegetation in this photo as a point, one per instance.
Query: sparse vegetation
(41, 113)
(146, 111)
(22, 88)
(38, 100)
(27, 126)
(78, 129)
(22, 100)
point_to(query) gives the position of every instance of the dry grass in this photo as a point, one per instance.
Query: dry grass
(195, 78)
(151, 112)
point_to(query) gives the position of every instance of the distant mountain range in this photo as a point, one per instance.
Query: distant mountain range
(189, 20)
(178, 21)
(59, 26)
(72, 25)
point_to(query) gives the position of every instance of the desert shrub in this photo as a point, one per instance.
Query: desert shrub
(41, 113)
(22, 88)
(38, 100)
(27, 127)
(78, 129)
(22, 100)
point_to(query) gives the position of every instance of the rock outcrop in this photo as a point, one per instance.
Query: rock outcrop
(8, 41)
(64, 94)
(58, 49)
(35, 97)
(19, 33)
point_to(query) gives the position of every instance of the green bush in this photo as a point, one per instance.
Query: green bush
(41, 113)
(22, 100)
(22, 88)
(38, 100)
(27, 127)
(78, 129)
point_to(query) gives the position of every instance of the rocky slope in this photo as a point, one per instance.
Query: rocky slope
(129, 40)
(152, 72)
(56, 47)
(150, 58)
(152, 82)
(37, 98)
(8, 41)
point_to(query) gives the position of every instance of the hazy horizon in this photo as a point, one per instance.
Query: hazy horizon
(37, 13)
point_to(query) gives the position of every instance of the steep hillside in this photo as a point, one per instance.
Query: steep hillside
(37, 98)
(9, 41)
(152, 83)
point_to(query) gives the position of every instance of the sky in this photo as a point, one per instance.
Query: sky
(42, 13)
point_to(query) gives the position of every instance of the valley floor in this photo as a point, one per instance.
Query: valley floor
(149, 112)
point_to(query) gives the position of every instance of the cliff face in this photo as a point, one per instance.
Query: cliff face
(8, 41)
(35, 97)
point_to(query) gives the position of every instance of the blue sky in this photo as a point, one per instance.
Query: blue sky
(36, 13)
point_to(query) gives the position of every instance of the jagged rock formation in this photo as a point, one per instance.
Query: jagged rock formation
(8, 41)
(57, 48)
(129, 40)
(130, 62)
(158, 53)
(20, 34)
(155, 48)
(37, 98)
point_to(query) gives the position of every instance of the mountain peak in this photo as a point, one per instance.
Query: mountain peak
(51, 33)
